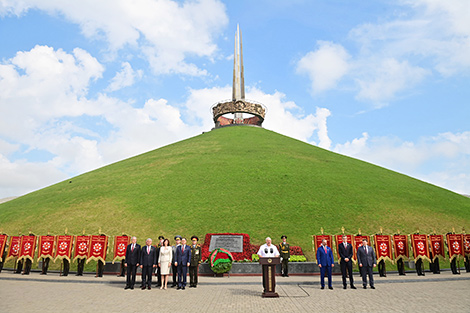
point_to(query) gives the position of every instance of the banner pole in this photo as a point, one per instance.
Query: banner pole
(60, 272)
(96, 275)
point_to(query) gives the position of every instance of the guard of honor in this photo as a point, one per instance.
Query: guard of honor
(284, 250)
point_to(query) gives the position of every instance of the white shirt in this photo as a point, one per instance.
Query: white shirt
(268, 251)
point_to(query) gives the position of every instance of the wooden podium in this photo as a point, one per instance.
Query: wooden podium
(269, 276)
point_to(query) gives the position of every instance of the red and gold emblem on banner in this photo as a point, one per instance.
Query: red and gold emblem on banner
(120, 246)
(383, 247)
(27, 248)
(14, 247)
(46, 247)
(466, 244)
(81, 247)
(437, 246)
(63, 248)
(339, 240)
(455, 245)
(400, 245)
(97, 249)
(3, 243)
(319, 238)
(419, 243)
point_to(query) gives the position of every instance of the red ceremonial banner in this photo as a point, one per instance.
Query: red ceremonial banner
(339, 240)
(14, 247)
(466, 244)
(357, 243)
(81, 247)
(97, 249)
(27, 248)
(400, 245)
(319, 238)
(46, 247)
(3, 243)
(455, 245)
(419, 243)
(383, 247)
(63, 249)
(437, 246)
(120, 246)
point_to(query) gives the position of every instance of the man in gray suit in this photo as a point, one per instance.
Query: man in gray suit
(367, 261)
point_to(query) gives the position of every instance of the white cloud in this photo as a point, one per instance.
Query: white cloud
(447, 151)
(422, 38)
(382, 82)
(166, 31)
(324, 66)
(125, 78)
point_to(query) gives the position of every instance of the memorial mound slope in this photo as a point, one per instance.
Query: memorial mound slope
(238, 179)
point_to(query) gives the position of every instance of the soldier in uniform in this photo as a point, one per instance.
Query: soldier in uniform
(45, 266)
(3, 260)
(19, 267)
(66, 267)
(382, 270)
(195, 261)
(284, 248)
(80, 267)
(174, 269)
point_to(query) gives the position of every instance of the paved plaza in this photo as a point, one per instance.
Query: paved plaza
(51, 293)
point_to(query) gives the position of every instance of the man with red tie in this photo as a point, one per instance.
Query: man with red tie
(345, 251)
(148, 262)
(367, 261)
(132, 262)
(325, 262)
(183, 260)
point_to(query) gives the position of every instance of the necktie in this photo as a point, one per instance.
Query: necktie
(325, 250)
(182, 249)
(367, 250)
(148, 250)
(132, 250)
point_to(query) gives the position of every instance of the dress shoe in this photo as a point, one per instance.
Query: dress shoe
(178, 288)
(364, 287)
(183, 288)
(127, 287)
(287, 275)
(143, 287)
(132, 288)
(149, 288)
(323, 287)
(331, 288)
(353, 287)
(372, 287)
(344, 287)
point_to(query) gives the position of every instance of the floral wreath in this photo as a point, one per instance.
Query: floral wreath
(220, 266)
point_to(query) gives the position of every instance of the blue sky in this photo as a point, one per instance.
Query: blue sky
(87, 83)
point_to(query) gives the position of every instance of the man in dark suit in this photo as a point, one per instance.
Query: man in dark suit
(325, 262)
(158, 273)
(345, 250)
(132, 262)
(367, 261)
(148, 262)
(183, 260)
(174, 269)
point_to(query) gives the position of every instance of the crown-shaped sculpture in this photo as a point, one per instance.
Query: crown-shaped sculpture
(222, 111)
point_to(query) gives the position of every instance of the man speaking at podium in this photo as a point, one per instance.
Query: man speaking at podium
(268, 250)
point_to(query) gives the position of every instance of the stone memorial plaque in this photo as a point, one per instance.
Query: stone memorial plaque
(233, 243)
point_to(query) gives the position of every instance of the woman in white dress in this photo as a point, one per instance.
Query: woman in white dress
(166, 255)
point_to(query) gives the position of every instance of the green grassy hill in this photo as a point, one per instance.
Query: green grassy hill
(238, 179)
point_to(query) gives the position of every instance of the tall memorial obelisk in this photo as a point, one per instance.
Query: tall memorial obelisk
(238, 105)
